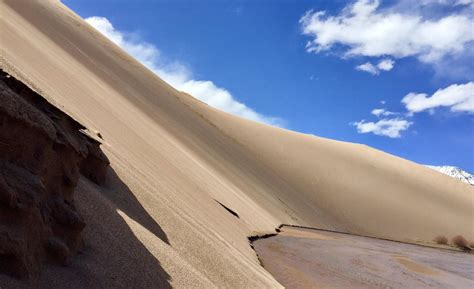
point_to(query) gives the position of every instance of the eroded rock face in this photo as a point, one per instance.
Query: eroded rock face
(42, 154)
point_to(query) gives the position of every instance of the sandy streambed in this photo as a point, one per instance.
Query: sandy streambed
(304, 258)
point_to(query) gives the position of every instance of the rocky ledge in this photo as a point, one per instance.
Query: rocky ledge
(43, 152)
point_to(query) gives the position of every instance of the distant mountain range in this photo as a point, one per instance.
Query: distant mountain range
(455, 172)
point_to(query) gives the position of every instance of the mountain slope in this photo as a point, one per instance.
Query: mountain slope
(177, 164)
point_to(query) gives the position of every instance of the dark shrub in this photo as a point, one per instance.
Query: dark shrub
(460, 242)
(442, 240)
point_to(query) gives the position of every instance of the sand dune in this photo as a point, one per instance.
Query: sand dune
(158, 220)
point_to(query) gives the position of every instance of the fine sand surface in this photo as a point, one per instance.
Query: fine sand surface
(305, 258)
(175, 162)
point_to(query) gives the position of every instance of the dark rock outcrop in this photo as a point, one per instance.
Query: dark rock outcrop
(42, 154)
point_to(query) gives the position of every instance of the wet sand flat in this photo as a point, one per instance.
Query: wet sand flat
(305, 258)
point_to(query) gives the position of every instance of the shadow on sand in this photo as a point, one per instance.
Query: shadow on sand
(119, 193)
(114, 255)
(113, 252)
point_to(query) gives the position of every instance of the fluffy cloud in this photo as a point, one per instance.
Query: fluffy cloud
(390, 127)
(384, 127)
(382, 112)
(384, 64)
(368, 67)
(458, 97)
(178, 75)
(363, 29)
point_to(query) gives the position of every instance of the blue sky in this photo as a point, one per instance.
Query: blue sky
(252, 58)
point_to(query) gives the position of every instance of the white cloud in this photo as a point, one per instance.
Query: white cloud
(178, 75)
(384, 64)
(378, 111)
(444, 2)
(390, 127)
(363, 29)
(464, 2)
(368, 67)
(382, 112)
(458, 97)
(384, 127)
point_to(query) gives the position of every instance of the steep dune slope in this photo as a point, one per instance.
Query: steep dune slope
(367, 190)
(175, 160)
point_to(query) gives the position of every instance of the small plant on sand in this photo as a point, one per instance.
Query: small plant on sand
(460, 242)
(442, 240)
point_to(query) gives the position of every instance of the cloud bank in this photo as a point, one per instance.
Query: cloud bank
(457, 97)
(177, 75)
(364, 29)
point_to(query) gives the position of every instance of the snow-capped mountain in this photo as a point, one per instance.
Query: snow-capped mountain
(455, 172)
